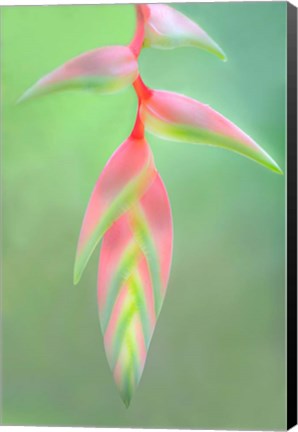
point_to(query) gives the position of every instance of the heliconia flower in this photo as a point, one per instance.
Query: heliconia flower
(166, 28)
(105, 70)
(129, 208)
(134, 268)
(125, 178)
(179, 118)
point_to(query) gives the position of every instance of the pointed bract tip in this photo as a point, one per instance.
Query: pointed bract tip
(275, 168)
(29, 94)
(213, 48)
(221, 54)
(76, 275)
(126, 399)
(269, 162)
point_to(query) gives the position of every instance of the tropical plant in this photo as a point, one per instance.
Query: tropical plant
(129, 209)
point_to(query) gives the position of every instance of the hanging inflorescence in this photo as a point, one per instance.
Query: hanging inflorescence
(129, 208)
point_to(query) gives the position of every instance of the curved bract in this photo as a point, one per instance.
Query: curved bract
(104, 70)
(176, 117)
(134, 268)
(123, 181)
(167, 28)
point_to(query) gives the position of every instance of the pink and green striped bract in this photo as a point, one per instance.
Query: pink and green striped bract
(125, 178)
(130, 210)
(179, 118)
(167, 28)
(104, 70)
(134, 268)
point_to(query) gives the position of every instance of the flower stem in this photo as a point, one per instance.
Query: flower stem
(138, 39)
(138, 131)
(142, 91)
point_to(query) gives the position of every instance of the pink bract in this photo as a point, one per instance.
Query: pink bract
(105, 70)
(177, 117)
(133, 273)
(167, 28)
(124, 179)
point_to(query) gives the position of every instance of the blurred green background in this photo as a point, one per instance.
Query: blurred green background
(217, 359)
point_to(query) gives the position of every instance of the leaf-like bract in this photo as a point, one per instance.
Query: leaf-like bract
(134, 268)
(123, 181)
(105, 70)
(179, 118)
(165, 28)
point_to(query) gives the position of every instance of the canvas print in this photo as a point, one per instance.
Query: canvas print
(144, 162)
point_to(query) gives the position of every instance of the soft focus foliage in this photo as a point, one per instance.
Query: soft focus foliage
(220, 362)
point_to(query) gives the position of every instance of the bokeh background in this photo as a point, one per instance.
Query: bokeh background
(217, 359)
